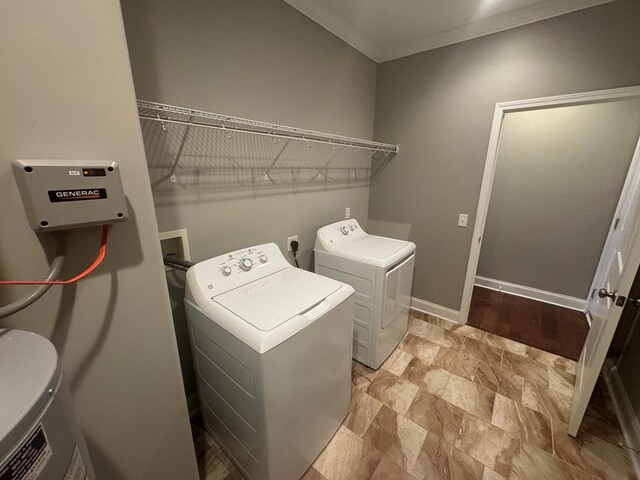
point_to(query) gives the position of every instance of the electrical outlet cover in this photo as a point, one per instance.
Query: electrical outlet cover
(289, 240)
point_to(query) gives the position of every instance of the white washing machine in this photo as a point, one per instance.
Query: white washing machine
(272, 351)
(39, 436)
(381, 272)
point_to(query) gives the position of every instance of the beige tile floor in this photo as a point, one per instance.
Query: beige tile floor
(454, 402)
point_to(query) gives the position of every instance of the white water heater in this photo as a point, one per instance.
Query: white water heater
(39, 435)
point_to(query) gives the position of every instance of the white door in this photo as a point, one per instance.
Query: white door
(614, 276)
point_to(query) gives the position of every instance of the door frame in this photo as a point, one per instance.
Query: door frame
(502, 108)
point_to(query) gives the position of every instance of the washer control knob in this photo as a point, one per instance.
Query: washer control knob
(344, 230)
(226, 271)
(263, 258)
(352, 227)
(246, 264)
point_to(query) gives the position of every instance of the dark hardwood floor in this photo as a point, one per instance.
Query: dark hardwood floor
(548, 327)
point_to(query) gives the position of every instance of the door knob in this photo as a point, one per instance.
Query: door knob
(604, 293)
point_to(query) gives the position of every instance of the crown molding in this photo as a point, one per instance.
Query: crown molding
(516, 18)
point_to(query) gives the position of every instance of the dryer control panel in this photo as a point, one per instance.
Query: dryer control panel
(341, 231)
(231, 270)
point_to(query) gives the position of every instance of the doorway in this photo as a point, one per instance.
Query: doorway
(553, 178)
(558, 177)
(549, 249)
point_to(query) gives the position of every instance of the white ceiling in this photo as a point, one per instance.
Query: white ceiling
(388, 29)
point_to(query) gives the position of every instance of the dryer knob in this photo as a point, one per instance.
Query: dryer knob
(246, 264)
(226, 271)
(352, 227)
(263, 258)
(344, 230)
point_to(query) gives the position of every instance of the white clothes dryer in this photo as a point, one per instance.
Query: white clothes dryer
(381, 272)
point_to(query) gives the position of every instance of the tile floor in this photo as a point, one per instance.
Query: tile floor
(455, 402)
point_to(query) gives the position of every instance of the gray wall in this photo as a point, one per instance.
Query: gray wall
(558, 178)
(439, 106)
(262, 60)
(66, 92)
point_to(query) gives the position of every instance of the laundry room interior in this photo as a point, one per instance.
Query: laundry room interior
(320, 240)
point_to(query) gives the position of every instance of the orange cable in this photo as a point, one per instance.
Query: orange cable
(94, 265)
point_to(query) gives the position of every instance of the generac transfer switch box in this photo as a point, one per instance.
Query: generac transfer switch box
(63, 194)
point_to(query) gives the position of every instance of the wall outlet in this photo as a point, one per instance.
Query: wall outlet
(347, 213)
(463, 218)
(289, 240)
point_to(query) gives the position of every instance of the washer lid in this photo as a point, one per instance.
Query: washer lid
(28, 369)
(272, 300)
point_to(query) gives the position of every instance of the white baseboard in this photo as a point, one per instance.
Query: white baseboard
(624, 411)
(533, 293)
(435, 309)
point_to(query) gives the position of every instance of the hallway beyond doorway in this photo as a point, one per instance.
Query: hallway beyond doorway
(548, 327)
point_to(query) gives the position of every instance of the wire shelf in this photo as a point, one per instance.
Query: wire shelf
(195, 148)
